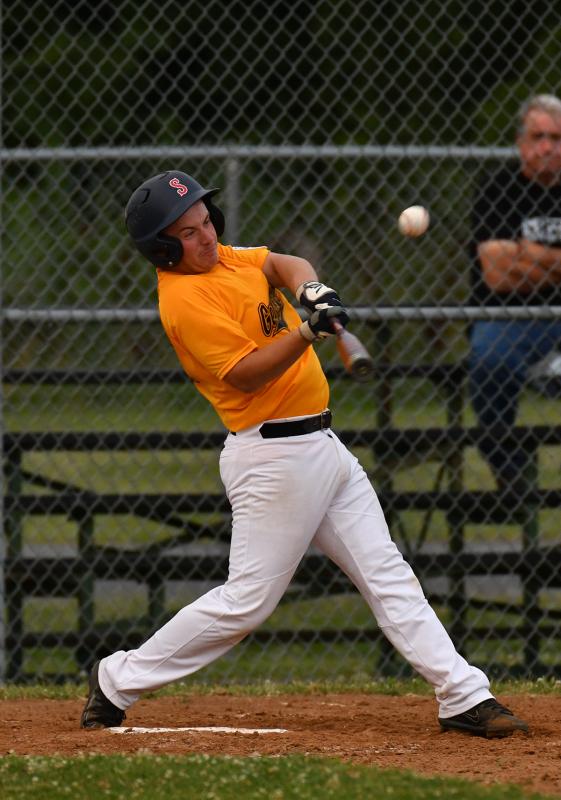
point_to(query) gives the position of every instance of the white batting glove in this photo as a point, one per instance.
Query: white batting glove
(314, 295)
(320, 323)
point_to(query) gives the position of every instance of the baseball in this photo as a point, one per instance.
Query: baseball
(413, 221)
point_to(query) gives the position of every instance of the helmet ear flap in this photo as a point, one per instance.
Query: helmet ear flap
(165, 250)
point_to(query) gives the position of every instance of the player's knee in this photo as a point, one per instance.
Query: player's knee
(250, 609)
(256, 612)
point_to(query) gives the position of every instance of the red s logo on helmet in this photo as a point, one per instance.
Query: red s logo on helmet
(181, 188)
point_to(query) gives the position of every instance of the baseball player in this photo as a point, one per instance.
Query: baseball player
(291, 483)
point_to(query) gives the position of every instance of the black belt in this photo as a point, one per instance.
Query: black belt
(297, 427)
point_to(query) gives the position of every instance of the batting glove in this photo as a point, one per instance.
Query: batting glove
(320, 323)
(314, 295)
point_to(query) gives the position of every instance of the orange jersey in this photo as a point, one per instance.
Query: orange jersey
(216, 319)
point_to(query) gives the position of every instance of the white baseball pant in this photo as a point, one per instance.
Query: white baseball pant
(286, 494)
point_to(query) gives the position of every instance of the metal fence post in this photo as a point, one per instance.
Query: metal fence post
(389, 663)
(2, 532)
(232, 200)
(457, 598)
(531, 584)
(13, 543)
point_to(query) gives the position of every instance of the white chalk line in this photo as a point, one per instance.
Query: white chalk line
(198, 730)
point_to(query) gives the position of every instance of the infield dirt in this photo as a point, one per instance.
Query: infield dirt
(398, 732)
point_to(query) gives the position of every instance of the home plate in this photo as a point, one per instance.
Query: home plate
(198, 730)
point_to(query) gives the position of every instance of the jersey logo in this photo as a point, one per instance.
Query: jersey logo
(181, 188)
(271, 315)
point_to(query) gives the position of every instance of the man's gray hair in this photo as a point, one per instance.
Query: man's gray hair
(539, 102)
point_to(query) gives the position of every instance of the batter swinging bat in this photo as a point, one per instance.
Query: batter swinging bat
(354, 355)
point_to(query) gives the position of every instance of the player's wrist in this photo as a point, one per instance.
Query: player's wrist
(300, 290)
(306, 332)
(320, 323)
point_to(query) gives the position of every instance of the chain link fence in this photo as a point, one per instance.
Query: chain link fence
(321, 121)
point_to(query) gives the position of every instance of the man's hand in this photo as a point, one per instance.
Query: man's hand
(314, 295)
(519, 266)
(320, 323)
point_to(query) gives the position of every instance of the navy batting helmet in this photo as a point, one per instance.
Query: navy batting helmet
(157, 203)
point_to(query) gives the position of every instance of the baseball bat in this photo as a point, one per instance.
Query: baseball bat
(355, 357)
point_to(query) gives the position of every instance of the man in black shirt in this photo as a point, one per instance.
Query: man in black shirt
(516, 258)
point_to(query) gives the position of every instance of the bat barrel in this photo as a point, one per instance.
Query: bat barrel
(361, 368)
(354, 355)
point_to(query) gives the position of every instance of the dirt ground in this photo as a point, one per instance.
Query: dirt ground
(398, 732)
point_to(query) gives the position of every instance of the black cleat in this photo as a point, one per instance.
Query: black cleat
(99, 712)
(489, 719)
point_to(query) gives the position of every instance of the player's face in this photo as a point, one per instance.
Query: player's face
(540, 147)
(198, 237)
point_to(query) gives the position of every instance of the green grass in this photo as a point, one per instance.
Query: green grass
(213, 778)
(247, 662)
(142, 471)
(181, 407)
(282, 663)
(397, 687)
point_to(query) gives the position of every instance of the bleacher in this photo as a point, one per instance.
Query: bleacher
(200, 550)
